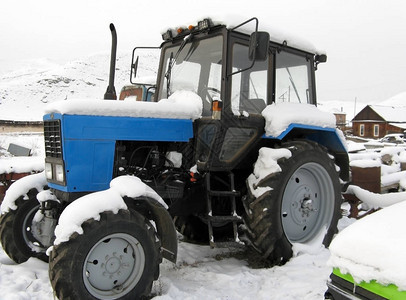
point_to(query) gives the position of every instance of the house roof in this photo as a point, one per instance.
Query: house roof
(400, 125)
(390, 113)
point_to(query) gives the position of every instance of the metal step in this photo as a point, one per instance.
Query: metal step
(224, 193)
(228, 244)
(225, 218)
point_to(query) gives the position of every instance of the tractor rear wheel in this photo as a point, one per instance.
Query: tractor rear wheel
(301, 203)
(116, 257)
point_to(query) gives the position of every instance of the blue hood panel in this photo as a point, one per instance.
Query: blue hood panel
(88, 145)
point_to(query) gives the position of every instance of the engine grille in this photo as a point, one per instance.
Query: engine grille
(53, 139)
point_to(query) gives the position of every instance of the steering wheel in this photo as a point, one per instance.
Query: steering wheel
(206, 92)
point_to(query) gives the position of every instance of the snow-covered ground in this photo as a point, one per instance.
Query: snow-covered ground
(201, 272)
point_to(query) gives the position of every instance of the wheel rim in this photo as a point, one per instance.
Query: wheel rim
(308, 203)
(28, 237)
(113, 266)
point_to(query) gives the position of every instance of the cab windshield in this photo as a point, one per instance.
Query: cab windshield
(196, 67)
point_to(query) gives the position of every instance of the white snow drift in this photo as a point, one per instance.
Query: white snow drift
(374, 247)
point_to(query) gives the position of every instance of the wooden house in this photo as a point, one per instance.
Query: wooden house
(376, 121)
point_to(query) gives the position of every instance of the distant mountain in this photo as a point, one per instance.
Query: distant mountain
(25, 92)
(396, 101)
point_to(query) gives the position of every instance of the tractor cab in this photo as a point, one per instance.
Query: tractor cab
(237, 72)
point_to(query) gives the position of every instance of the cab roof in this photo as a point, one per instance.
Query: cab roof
(230, 22)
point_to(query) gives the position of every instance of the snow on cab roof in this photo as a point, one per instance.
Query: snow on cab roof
(277, 35)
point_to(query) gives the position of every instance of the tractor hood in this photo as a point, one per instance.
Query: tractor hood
(79, 131)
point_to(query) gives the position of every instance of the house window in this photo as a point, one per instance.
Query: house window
(376, 130)
(361, 129)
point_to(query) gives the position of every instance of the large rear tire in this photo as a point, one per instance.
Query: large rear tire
(15, 230)
(301, 205)
(116, 257)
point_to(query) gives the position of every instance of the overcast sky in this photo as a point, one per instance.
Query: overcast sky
(365, 40)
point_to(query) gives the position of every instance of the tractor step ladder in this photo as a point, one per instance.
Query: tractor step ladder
(233, 217)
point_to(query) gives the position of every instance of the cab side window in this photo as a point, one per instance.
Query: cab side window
(249, 88)
(292, 78)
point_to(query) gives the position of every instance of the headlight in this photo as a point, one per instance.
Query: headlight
(48, 170)
(55, 171)
(59, 173)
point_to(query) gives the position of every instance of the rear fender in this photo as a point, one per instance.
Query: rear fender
(155, 211)
(331, 138)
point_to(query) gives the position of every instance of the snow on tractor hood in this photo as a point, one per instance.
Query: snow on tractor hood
(180, 105)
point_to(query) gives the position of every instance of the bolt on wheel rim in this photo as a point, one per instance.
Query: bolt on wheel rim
(307, 203)
(114, 266)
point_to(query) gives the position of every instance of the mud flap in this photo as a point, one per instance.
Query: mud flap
(165, 227)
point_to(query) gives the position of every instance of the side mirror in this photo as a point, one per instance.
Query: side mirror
(259, 45)
(322, 58)
(143, 54)
(134, 67)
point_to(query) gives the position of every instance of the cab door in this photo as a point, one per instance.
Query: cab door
(248, 93)
(233, 137)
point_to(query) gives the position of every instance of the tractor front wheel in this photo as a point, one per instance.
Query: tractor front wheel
(116, 257)
(16, 230)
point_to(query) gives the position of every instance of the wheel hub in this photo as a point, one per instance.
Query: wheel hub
(306, 206)
(303, 205)
(114, 264)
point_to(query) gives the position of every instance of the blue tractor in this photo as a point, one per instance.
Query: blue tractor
(122, 177)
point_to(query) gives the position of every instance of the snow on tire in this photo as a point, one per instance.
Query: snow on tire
(116, 257)
(297, 204)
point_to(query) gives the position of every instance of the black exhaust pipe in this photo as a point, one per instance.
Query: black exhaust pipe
(111, 91)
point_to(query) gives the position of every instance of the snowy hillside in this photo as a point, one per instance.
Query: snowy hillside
(397, 100)
(25, 92)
